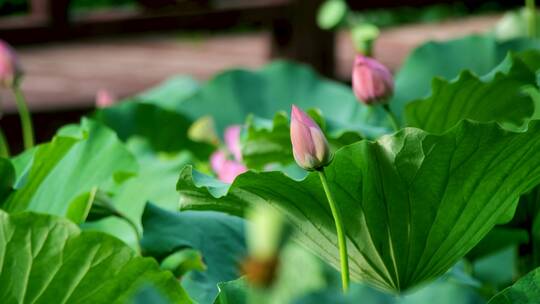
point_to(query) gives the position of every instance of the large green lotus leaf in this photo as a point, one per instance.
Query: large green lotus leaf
(73, 163)
(478, 54)
(45, 259)
(7, 178)
(413, 203)
(170, 93)
(525, 291)
(499, 96)
(268, 142)
(155, 182)
(22, 164)
(149, 294)
(166, 130)
(232, 95)
(219, 237)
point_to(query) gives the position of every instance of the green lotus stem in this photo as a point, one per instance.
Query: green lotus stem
(392, 117)
(4, 147)
(531, 9)
(135, 229)
(104, 201)
(342, 241)
(26, 120)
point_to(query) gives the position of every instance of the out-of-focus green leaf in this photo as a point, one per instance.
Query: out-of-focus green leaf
(445, 290)
(149, 295)
(497, 239)
(155, 182)
(332, 13)
(298, 273)
(75, 161)
(183, 261)
(234, 94)
(22, 164)
(219, 238)
(514, 25)
(498, 269)
(170, 93)
(165, 130)
(7, 178)
(45, 259)
(413, 203)
(525, 291)
(440, 292)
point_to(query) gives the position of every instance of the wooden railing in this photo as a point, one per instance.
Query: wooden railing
(295, 34)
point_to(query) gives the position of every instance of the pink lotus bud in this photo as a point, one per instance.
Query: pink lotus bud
(310, 147)
(372, 81)
(104, 99)
(10, 69)
(232, 140)
(227, 170)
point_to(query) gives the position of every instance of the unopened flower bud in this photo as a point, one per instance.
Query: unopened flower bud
(372, 81)
(204, 130)
(104, 99)
(310, 147)
(10, 69)
(266, 234)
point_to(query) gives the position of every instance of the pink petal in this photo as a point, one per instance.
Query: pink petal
(230, 170)
(217, 161)
(232, 140)
(9, 64)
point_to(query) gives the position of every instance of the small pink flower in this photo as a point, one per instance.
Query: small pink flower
(372, 81)
(10, 69)
(310, 147)
(232, 140)
(105, 99)
(231, 170)
(226, 169)
(217, 160)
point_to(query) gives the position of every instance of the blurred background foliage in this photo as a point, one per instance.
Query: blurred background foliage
(379, 17)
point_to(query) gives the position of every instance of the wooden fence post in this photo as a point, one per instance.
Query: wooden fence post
(297, 36)
(54, 12)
